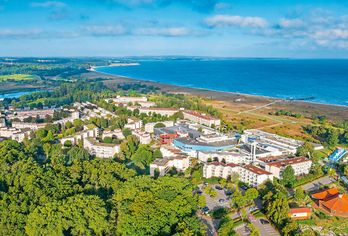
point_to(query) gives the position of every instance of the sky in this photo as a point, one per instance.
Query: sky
(216, 28)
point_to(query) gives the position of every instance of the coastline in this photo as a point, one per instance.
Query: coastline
(333, 111)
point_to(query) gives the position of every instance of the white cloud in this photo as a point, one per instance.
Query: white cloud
(331, 34)
(169, 32)
(105, 30)
(228, 20)
(291, 23)
(49, 4)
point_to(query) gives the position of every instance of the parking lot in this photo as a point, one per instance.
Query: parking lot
(265, 229)
(220, 201)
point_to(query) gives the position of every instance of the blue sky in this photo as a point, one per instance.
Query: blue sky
(225, 28)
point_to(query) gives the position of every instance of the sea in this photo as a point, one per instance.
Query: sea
(313, 80)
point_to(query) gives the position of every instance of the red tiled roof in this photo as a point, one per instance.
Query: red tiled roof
(338, 204)
(289, 161)
(326, 194)
(300, 210)
(256, 170)
(216, 163)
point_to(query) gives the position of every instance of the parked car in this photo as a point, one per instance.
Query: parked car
(264, 222)
(205, 210)
(253, 208)
(221, 200)
(244, 187)
(218, 187)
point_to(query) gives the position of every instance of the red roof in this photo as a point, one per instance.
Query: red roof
(289, 161)
(200, 115)
(216, 163)
(256, 170)
(326, 194)
(338, 204)
(300, 210)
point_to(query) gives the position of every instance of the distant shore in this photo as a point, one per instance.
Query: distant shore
(93, 68)
(334, 112)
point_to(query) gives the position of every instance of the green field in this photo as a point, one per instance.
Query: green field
(17, 77)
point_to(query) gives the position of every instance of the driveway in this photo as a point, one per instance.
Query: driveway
(266, 229)
(242, 230)
(316, 184)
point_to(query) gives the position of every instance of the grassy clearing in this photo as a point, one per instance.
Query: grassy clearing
(16, 77)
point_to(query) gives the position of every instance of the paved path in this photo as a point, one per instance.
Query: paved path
(260, 107)
(316, 184)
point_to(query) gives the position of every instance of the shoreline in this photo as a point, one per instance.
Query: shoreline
(220, 91)
(331, 111)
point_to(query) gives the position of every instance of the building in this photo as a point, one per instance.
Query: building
(144, 138)
(31, 126)
(160, 111)
(285, 146)
(117, 133)
(14, 133)
(73, 116)
(2, 122)
(229, 156)
(149, 127)
(102, 150)
(133, 123)
(253, 175)
(300, 213)
(301, 166)
(126, 100)
(201, 118)
(220, 169)
(21, 115)
(332, 202)
(163, 165)
(87, 133)
(192, 146)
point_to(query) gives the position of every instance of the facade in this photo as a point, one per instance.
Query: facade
(201, 118)
(133, 124)
(126, 100)
(253, 175)
(219, 169)
(231, 156)
(301, 166)
(117, 133)
(21, 115)
(24, 125)
(74, 139)
(163, 165)
(144, 138)
(14, 133)
(301, 213)
(102, 150)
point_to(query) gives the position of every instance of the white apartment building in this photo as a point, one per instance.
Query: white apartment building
(21, 115)
(253, 175)
(149, 127)
(163, 165)
(125, 100)
(301, 166)
(219, 169)
(74, 139)
(14, 133)
(73, 116)
(101, 150)
(31, 126)
(2, 122)
(113, 133)
(133, 124)
(201, 118)
(232, 156)
(144, 138)
(169, 151)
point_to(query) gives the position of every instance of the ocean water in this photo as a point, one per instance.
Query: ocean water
(322, 81)
(15, 94)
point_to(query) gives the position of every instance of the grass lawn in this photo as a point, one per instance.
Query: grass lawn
(17, 77)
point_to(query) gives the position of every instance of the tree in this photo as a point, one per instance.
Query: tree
(290, 228)
(201, 201)
(277, 209)
(143, 156)
(288, 177)
(159, 125)
(251, 194)
(227, 228)
(299, 195)
(238, 199)
(306, 149)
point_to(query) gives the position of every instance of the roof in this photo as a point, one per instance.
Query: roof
(200, 115)
(300, 210)
(256, 170)
(216, 163)
(289, 161)
(326, 194)
(338, 203)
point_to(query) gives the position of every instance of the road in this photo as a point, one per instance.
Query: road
(260, 107)
(316, 184)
